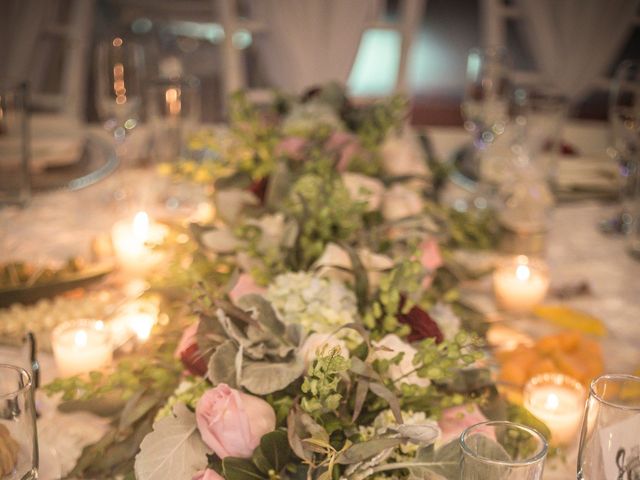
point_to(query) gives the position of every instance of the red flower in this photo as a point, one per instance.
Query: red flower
(259, 188)
(422, 325)
(189, 354)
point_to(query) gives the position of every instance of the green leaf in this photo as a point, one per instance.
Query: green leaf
(386, 394)
(360, 276)
(275, 448)
(241, 469)
(359, 452)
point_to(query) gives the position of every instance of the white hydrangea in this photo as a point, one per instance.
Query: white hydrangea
(318, 304)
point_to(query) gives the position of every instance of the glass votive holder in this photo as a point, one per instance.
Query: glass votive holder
(501, 450)
(520, 283)
(557, 400)
(81, 346)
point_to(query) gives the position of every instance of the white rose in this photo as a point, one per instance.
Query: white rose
(390, 346)
(364, 189)
(316, 342)
(401, 202)
(402, 155)
(334, 260)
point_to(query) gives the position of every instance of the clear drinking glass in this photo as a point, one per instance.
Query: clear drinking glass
(610, 438)
(119, 71)
(15, 183)
(173, 111)
(624, 118)
(485, 106)
(501, 450)
(18, 434)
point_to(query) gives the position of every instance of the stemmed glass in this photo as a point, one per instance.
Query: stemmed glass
(500, 450)
(485, 106)
(624, 117)
(119, 71)
(18, 434)
(609, 441)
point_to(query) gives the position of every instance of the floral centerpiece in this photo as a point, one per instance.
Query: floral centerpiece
(315, 327)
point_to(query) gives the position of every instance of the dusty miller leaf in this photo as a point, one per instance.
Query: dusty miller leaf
(173, 450)
(265, 313)
(262, 378)
(222, 365)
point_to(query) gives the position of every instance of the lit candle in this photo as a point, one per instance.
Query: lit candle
(558, 401)
(520, 285)
(81, 346)
(133, 243)
(136, 319)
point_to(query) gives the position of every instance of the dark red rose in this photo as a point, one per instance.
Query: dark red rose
(422, 325)
(193, 360)
(259, 188)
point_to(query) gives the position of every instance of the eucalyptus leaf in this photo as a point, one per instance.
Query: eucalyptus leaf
(301, 426)
(222, 365)
(105, 406)
(136, 408)
(173, 450)
(361, 278)
(386, 394)
(359, 452)
(445, 462)
(423, 435)
(231, 203)
(220, 240)
(362, 388)
(262, 378)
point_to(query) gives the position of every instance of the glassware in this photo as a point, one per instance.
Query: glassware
(500, 450)
(609, 441)
(119, 70)
(624, 118)
(485, 106)
(15, 183)
(173, 111)
(485, 109)
(18, 434)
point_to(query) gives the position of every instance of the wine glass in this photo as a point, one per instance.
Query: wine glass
(624, 118)
(119, 70)
(18, 434)
(500, 450)
(609, 441)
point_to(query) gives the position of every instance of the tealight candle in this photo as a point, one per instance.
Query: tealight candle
(136, 319)
(521, 284)
(81, 346)
(558, 401)
(133, 241)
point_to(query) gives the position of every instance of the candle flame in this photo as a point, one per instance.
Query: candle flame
(141, 324)
(80, 338)
(523, 273)
(141, 226)
(552, 402)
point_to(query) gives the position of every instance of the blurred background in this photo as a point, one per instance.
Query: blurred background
(376, 47)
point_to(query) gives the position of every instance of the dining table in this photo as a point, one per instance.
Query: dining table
(61, 223)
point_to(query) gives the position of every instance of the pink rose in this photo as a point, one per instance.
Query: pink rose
(244, 286)
(456, 420)
(232, 423)
(346, 145)
(188, 352)
(207, 474)
(292, 147)
(431, 260)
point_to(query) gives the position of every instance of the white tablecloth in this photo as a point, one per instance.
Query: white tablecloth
(60, 224)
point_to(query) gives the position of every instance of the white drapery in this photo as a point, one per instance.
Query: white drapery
(574, 41)
(311, 42)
